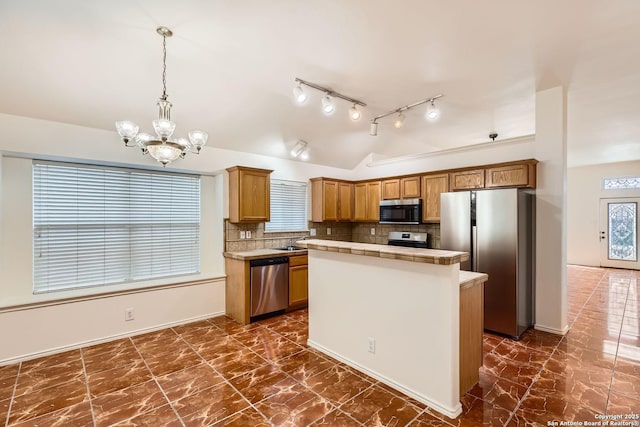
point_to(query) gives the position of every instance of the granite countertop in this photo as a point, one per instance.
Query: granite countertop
(429, 256)
(470, 278)
(262, 253)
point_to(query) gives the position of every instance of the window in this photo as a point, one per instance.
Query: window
(621, 183)
(97, 225)
(288, 206)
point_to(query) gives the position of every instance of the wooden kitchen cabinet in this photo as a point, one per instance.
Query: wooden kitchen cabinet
(367, 201)
(401, 188)
(518, 175)
(432, 187)
(331, 200)
(466, 180)
(249, 194)
(238, 290)
(298, 281)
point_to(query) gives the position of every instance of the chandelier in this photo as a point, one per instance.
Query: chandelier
(161, 146)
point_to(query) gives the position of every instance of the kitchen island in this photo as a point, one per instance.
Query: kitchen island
(394, 314)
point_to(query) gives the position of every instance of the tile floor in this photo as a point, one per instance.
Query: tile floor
(217, 372)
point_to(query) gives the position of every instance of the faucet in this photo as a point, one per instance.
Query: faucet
(291, 242)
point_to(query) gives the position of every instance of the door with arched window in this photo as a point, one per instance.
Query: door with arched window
(619, 232)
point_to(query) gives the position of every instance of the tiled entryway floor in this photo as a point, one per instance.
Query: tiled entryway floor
(217, 372)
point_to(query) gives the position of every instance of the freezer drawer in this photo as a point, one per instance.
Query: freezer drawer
(269, 285)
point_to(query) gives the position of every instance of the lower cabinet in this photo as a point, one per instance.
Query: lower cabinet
(298, 281)
(471, 332)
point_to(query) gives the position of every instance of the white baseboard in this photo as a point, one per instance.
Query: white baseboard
(102, 340)
(449, 412)
(556, 331)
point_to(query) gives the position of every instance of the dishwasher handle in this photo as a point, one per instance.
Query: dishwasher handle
(268, 261)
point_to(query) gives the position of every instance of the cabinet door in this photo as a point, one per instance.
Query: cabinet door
(345, 197)
(391, 189)
(254, 196)
(466, 180)
(360, 210)
(373, 201)
(410, 187)
(330, 200)
(510, 176)
(298, 285)
(432, 187)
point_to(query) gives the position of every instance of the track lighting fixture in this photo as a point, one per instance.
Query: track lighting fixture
(432, 114)
(328, 104)
(354, 113)
(300, 150)
(299, 95)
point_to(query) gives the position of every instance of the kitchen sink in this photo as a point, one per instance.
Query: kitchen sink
(289, 248)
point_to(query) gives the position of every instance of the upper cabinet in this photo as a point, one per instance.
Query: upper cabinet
(518, 175)
(331, 200)
(432, 187)
(466, 180)
(249, 192)
(401, 188)
(367, 201)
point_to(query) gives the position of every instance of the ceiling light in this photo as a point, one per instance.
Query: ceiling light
(354, 113)
(299, 148)
(298, 94)
(433, 112)
(161, 147)
(305, 154)
(373, 130)
(399, 121)
(327, 105)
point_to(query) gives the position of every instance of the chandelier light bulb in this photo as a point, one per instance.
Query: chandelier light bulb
(127, 130)
(198, 139)
(433, 112)
(327, 105)
(298, 94)
(354, 113)
(399, 121)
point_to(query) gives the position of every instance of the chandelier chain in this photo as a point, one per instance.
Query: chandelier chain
(164, 68)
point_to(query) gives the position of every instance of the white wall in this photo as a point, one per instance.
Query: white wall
(584, 191)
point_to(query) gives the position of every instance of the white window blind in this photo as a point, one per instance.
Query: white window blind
(288, 206)
(96, 225)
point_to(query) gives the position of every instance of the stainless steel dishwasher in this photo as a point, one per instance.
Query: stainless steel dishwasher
(269, 285)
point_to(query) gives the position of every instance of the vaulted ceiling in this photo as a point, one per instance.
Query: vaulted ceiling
(231, 66)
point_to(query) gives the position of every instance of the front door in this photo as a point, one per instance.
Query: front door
(619, 233)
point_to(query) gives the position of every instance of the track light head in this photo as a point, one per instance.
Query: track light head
(298, 94)
(373, 130)
(298, 148)
(433, 112)
(305, 154)
(399, 121)
(354, 114)
(327, 105)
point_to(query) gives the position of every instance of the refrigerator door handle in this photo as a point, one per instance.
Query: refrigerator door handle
(474, 243)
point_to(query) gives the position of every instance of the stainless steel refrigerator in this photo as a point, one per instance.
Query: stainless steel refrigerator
(497, 228)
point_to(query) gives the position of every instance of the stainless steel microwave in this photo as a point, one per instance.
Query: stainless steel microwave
(406, 211)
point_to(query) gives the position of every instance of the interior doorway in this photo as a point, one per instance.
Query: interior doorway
(619, 233)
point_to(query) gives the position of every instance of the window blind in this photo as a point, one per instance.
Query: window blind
(288, 206)
(97, 225)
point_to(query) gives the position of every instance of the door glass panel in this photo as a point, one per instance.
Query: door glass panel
(622, 231)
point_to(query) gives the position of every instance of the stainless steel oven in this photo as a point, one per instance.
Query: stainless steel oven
(405, 211)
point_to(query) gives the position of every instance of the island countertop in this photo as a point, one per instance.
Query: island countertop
(262, 253)
(429, 256)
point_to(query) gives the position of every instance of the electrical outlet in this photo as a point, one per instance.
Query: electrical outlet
(328, 231)
(129, 314)
(372, 345)
(373, 231)
(312, 231)
(248, 234)
(243, 235)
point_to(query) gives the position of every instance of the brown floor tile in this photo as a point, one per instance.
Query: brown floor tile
(304, 365)
(230, 326)
(337, 418)
(9, 371)
(627, 385)
(32, 405)
(127, 403)
(627, 366)
(177, 385)
(160, 343)
(49, 361)
(4, 411)
(490, 341)
(517, 372)
(172, 362)
(116, 346)
(73, 416)
(224, 346)
(569, 356)
(210, 405)
(262, 383)
(588, 388)
(163, 416)
(425, 419)
(590, 342)
(538, 340)
(377, 406)
(246, 418)
(295, 406)
(276, 349)
(119, 378)
(256, 336)
(193, 326)
(476, 412)
(509, 349)
(48, 376)
(498, 391)
(541, 408)
(238, 363)
(122, 355)
(337, 384)
(7, 384)
(622, 405)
